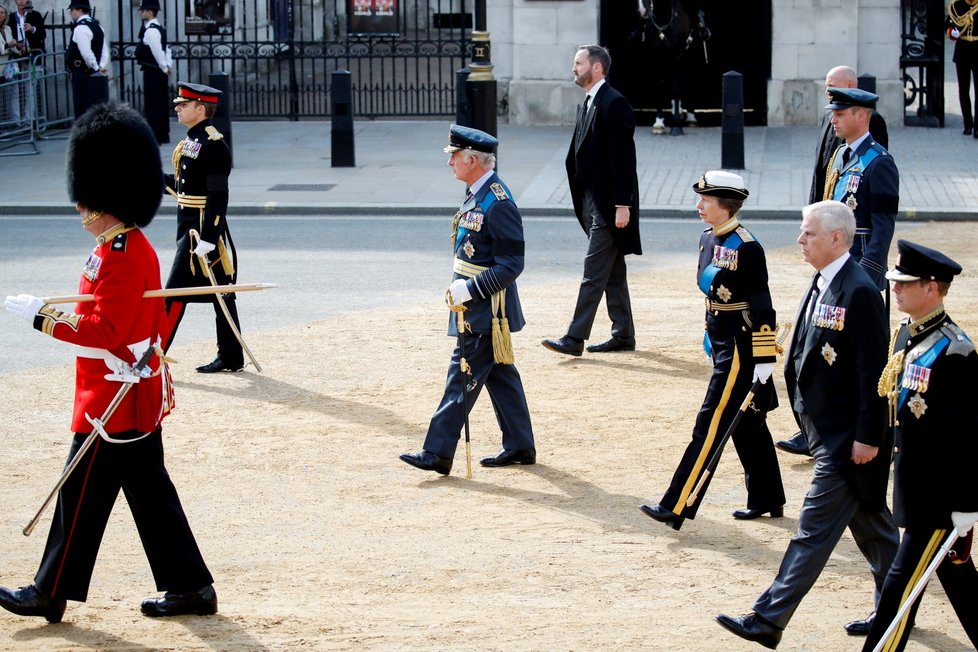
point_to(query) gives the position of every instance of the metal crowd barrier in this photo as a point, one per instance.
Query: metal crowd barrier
(17, 109)
(53, 94)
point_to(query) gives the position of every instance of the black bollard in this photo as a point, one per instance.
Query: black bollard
(732, 138)
(463, 114)
(341, 95)
(222, 114)
(866, 83)
(482, 104)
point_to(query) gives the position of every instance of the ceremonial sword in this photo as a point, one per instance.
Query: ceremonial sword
(466, 373)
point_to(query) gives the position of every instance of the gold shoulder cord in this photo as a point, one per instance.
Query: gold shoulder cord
(965, 21)
(887, 387)
(831, 176)
(177, 153)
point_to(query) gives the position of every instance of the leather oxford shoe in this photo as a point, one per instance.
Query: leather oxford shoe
(753, 628)
(29, 601)
(507, 457)
(663, 515)
(217, 365)
(860, 627)
(797, 444)
(567, 345)
(202, 602)
(966, 132)
(614, 344)
(751, 514)
(428, 461)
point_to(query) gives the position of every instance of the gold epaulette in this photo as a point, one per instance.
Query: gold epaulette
(498, 190)
(744, 234)
(213, 133)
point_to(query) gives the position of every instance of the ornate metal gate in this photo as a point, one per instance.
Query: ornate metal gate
(280, 54)
(922, 62)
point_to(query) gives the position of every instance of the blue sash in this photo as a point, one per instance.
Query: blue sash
(706, 281)
(487, 201)
(925, 361)
(842, 185)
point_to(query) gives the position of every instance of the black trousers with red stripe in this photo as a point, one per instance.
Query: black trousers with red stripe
(84, 505)
(916, 552)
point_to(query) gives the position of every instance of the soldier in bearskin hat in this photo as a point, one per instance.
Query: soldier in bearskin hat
(116, 196)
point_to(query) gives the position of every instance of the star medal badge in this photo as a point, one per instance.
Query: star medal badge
(829, 354)
(468, 248)
(917, 405)
(851, 202)
(724, 294)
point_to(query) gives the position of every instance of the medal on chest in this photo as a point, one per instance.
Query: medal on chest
(829, 354)
(917, 405)
(852, 185)
(191, 148)
(468, 248)
(831, 317)
(916, 378)
(92, 265)
(472, 220)
(724, 258)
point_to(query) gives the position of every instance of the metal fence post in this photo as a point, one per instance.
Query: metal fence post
(341, 132)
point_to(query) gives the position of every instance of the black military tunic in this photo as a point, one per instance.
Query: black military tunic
(740, 332)
(935, 446)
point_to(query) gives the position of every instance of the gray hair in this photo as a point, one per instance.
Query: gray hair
(833, 216)
(485, 159)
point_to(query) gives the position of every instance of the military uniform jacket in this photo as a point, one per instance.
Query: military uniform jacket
(870, 185)
(834, 367)
(202, 164)
(489, 234)
(113, 331)
(605, 164)
(828, 143)
(732, 273)
(936, 431)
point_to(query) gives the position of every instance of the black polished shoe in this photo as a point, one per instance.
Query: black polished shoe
(797, 444)
(860, 627)
(751, 514)
(567, 345)
(614, 344)
(507, 457)
(29, 601)
(217, 365)
(966, 132)
(663, 515)
(202, 602)
(753, 628)
(427, 461)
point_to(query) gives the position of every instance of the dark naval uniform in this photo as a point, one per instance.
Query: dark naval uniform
(933, 366)
(740, 325)
(489, 252)
(867, 181)
(961, 15)
(201, 165)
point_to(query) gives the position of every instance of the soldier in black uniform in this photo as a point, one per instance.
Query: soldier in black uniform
(152, 59)
(487, 239)
(201, 166)
(961, 29)
(928, 382)
(740, 340)
(87, 59)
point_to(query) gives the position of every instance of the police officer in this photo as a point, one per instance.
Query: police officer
(928, 382)
(87, 58)
(201, 166)
(116, 196)
(151, 55)
(487, 238)
(740, 340)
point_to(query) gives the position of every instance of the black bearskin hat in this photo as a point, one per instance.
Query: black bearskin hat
(113, 164)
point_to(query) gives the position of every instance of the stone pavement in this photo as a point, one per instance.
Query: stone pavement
(284, 167)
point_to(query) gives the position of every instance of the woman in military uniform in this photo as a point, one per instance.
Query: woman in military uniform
(740, 325)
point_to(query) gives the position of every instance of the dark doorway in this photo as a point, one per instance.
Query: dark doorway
(740, 40)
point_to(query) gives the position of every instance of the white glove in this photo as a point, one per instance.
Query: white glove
(963, 521)
(955, 33)
(459, 291)
(25, 306)
(763, 371)
(203, 248)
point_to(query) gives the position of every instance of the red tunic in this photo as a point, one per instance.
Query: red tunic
(116, 328)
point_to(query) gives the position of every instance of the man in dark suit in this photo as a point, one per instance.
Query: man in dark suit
(837, 354)
(489, 253)
(27, 27)
(928, 383)
(828, 142)
(863, 175)
(601, 172)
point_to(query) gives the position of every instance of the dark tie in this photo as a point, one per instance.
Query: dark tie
(806, 313)
(582, 119)
(846, 154)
